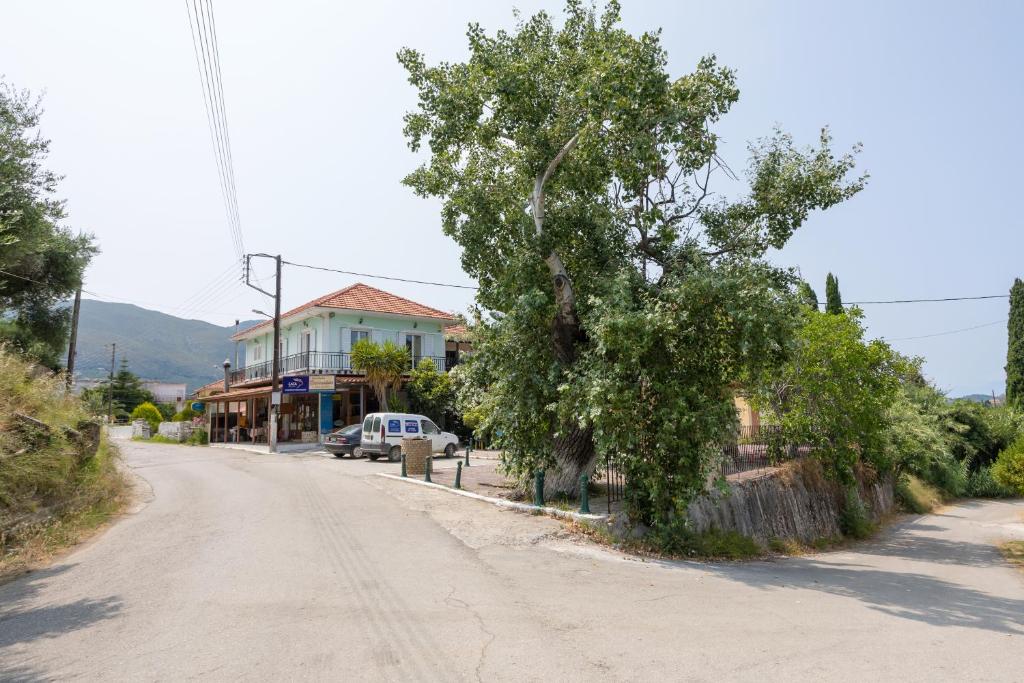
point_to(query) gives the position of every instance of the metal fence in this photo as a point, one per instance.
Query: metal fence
(615, 483)
(758, 447)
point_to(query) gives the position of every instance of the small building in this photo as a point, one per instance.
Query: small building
(321, 391)
(174, 393)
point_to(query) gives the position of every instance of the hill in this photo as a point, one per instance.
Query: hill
(158, 346)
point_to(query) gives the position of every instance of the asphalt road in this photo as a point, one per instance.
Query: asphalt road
(257, 567)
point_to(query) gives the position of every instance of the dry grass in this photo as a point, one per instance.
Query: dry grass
(56, 483)
(918, 495)
(102, 492)
(1013, 551)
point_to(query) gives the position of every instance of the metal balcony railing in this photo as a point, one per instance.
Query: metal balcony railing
(316, 362)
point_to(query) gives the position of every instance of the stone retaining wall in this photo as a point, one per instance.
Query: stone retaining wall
(795, 501)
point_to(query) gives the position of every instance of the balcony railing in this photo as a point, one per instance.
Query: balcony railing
(317, 362)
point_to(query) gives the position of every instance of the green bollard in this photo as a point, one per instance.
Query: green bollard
(458, 475)
(467, 455)
(584, 494)
(405, 472)
(538, 489)
(430, 464)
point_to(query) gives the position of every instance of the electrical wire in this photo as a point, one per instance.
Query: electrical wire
(942, 334)
(926, 301)
(213, 122)
(379, 277)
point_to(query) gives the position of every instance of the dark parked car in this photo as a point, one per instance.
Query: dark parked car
(344, 441)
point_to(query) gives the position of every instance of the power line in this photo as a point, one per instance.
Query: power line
(925, 301)
(379, 277)
(942, 334)
(200, 19)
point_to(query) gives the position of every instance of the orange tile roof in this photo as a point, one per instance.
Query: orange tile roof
(458, 332)
(360, 297)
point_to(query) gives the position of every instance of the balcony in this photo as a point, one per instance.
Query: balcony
(316, 363)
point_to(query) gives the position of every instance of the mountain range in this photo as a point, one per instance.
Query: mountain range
(156, 345)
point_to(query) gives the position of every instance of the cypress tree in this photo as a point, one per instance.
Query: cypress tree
(807, 295)
(833, 300)
(1015, 350)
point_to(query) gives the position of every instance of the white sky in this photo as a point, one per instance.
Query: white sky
(315, 100)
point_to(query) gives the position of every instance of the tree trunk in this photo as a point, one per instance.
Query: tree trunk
(573, 450)
(574, 455)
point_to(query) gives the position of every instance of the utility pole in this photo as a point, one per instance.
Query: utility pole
(275, 384)
(74, 337)
(236, 345)
(110, 386)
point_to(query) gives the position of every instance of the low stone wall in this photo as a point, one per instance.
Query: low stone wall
(795, 502)
(179, 431)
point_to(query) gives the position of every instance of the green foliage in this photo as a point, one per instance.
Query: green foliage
(1008, 470)
(583, 123)
(199, 437)
(166, 411)
(853, 520)
(807, 295)
(834, 393)
(45, 467)
(916, 495)
(678, 540)
(148, 412)
(46, 260)
(978, 432)
(982, 484)
(186, 414)
(127, 392)
(1015, 347)
(833, 299)
(383, 365)
(431, 393)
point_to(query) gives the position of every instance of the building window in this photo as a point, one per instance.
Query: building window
(356, 335)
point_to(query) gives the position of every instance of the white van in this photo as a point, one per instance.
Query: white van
(383, 433)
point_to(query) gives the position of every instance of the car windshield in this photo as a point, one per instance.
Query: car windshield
(350, 430)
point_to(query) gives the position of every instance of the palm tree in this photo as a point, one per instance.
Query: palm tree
(383, 366)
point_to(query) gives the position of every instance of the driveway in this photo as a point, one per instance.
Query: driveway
(246, 566)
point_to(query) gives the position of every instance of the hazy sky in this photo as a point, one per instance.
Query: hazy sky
(315, 100)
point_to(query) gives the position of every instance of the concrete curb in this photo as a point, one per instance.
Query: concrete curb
(501, 502)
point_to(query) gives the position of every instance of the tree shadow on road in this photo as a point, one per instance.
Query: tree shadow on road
(24, 620)
(906, 595)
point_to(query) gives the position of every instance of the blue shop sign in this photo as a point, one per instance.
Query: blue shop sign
(295, 385)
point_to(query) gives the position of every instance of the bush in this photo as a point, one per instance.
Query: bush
(854, 520)
(1008, 470)
(148, 412)
(166, 411)
(199, 437)
(184, 415)
(982, 484)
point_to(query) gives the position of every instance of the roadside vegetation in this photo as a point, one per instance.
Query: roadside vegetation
(58, 477)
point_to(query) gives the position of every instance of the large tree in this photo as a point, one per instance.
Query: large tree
(623, 295)
(42, 260)
(1015, 350)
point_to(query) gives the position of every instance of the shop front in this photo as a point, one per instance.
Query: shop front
(311, 406)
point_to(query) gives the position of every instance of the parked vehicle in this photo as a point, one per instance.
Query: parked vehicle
(344, 441)
(383, 434)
